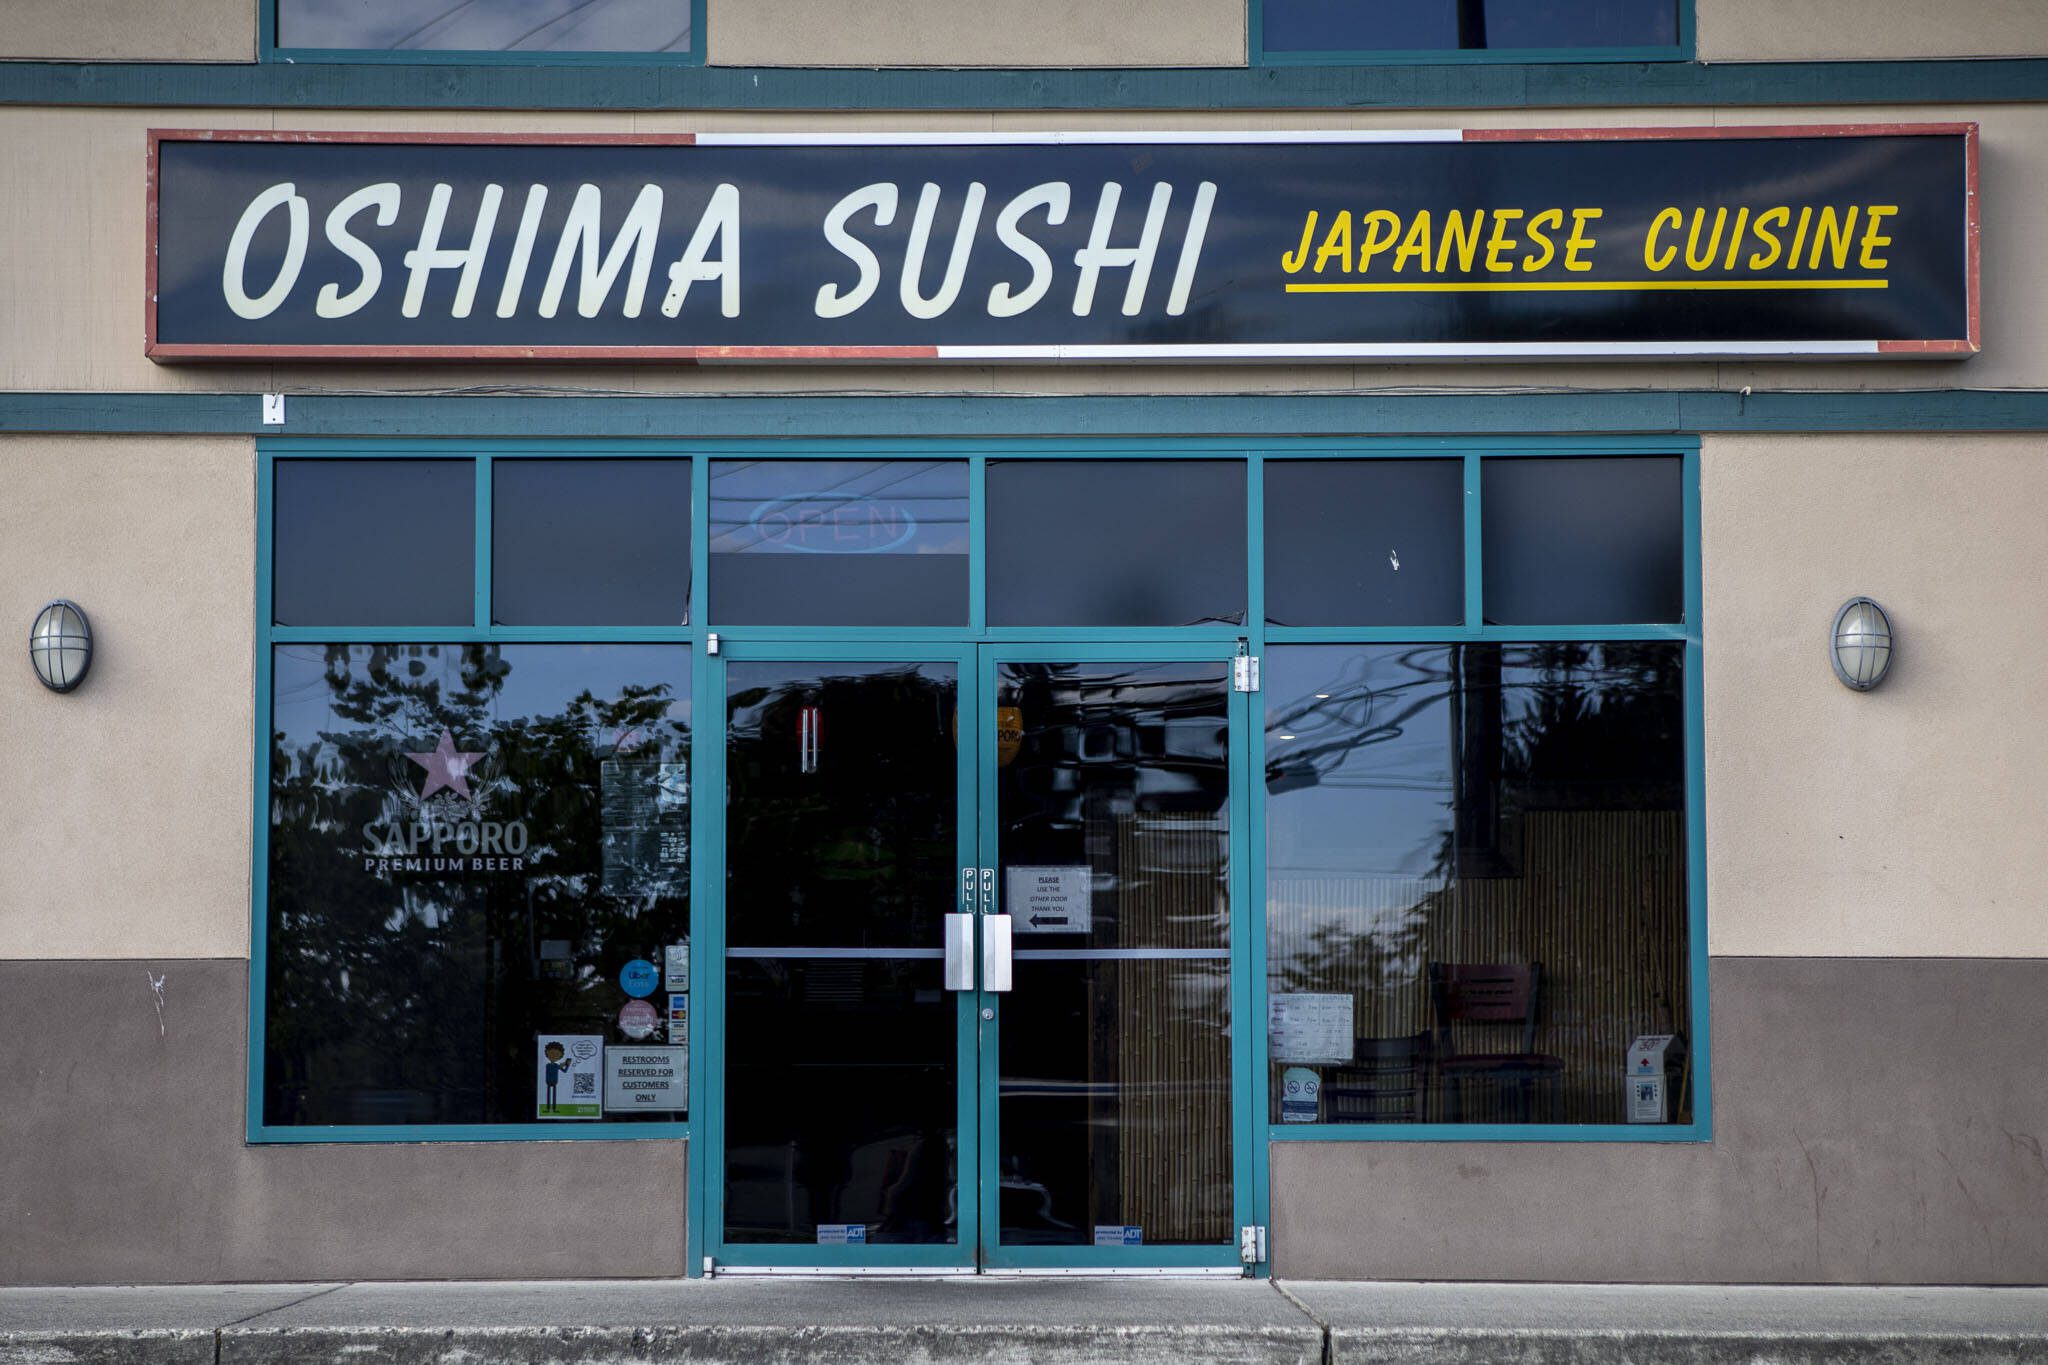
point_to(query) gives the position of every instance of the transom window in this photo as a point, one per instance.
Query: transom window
(1304, 31)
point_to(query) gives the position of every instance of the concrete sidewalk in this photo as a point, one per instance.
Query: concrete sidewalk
(1062, 1319)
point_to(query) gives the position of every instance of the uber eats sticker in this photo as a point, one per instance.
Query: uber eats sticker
(567, 1068)
(1836, 241)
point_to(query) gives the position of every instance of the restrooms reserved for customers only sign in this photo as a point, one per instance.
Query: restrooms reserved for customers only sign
(1517, 244)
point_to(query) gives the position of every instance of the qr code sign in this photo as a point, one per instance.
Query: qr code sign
(584, 1083)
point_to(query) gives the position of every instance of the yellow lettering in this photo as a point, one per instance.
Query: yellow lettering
(1416, 243)
(1694, 258)
(1293, 261)
(1760, 260)
(1374, 242)
(1579, 241)
(1466, 237)
(1871, 241)
(1799, 237)
(1336, 242)
(1735, 237)
(1832, 234)
(1650, 257)
(1500, 241)
(1554, 217)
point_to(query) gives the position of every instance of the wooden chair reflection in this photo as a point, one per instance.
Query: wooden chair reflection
(1384, 1083)
(1495, 993)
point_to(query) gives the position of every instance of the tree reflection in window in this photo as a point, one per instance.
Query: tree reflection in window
(1435, 804)
(467, 843)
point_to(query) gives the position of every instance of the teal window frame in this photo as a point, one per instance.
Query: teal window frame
(1251, 1121)
(1258, 54)
(267, 50)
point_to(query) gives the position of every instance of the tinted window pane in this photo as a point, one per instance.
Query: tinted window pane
(1477, 830)
(1115, 542)
(590, 542)
(470, 848)
(1583, 540)
(499, 26)
(1365, 542)
(839, 542)
(1439, 25)
(374, 543)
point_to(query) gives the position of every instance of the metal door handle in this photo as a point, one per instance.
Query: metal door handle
(959, 952)
(960, 936)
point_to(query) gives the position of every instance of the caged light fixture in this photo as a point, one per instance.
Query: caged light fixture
(1860, 644)
(60, 645)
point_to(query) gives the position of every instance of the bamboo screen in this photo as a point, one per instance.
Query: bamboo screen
(1600, 903)
(1172, 1018)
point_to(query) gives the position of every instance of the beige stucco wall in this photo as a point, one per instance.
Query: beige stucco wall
(126, 802)
(71, 207)
(122, 30)
(1872, 30)
(975, 33)
(1908, 820)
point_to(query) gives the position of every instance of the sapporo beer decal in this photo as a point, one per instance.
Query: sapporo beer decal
(1700, 241)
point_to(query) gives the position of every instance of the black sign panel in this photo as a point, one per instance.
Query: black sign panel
(1506, 243)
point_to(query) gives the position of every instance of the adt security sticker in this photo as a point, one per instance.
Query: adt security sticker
(639, 977)
(842, 1234)
(1119, 1235)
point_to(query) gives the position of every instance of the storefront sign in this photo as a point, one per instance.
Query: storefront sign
(1051, 900)
(647, 1078)
(1086, 247)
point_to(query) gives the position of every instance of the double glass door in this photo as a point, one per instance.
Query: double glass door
(980, 921)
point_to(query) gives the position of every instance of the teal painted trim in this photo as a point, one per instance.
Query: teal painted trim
(1700, 1042)
(707, 954)
(1179, 423)
(1084, 90)
(585, 1130)
(268, 50)
(808, 1254)
(1247, 926)
(706, 983)
(988, 1035)
(977, 543)
(254, 1129)
(1475, 546)
(1489, 1132)
(699, 609)
(1308, 635)
(485, 509)
(1109, 1258)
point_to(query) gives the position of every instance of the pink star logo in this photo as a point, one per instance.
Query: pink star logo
(446, 767)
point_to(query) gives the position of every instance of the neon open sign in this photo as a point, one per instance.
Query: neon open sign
(832, 524)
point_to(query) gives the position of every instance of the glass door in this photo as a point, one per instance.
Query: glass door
(981, 958)
(847, 1130)
(1112, 818)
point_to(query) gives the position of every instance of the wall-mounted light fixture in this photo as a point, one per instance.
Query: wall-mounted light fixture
(60, 645)
(1860, 644)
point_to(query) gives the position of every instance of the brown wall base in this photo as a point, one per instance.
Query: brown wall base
(1875, 1121)
(126, 1160)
